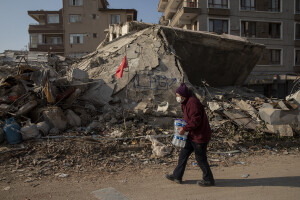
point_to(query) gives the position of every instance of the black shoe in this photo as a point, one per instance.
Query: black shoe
(172, 178)
(204, 183)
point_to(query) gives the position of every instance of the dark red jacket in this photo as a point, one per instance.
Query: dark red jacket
(197, 122)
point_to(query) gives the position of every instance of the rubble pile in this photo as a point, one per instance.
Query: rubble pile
(82, 117)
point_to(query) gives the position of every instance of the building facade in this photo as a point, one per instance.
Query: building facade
(81, 24)
(274, 23)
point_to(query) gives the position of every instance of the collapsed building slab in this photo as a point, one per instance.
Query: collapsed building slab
(159, 58)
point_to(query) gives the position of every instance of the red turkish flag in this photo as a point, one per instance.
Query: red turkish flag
(119, 73)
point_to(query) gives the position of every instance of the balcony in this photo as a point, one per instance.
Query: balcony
(49, 28)
(163, 21)
(172, 8)
(55, 48)
(218, 11)
(162, 5)
(187, 11)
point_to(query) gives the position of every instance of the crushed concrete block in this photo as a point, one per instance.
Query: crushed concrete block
(241, 119)
(78, 75)
(248, 108)
(213, 106)
(55, 117)
(163, 107)
(99, 94)
(282, 105)
(27, 107)
(295, 97)
(277, 116)
(30, 131)
(140, 107)
(282, 130)
(73, 119)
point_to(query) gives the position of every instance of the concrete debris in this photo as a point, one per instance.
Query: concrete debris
(276, 116)
(30, 131)
(295, 97)
(27, 107)
(282, 130)
(213, 106)
(163, 107)
(73, 119)
(55, 117)
(248, 108)
(158, 148)
(43, 127)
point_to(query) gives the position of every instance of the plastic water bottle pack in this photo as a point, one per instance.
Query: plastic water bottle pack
(179, 140)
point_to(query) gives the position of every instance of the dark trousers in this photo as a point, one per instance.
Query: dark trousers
(200, 154)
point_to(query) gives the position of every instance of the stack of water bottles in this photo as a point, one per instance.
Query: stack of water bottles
(179, 140)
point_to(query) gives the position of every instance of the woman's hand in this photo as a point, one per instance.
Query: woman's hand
(181, 131)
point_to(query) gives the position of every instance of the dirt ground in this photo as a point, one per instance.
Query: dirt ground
(270, 177)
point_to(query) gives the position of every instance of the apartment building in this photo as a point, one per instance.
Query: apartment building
(77, 29)
(274, 23)
(48, 33)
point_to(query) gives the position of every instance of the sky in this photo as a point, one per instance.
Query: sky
(14, 20)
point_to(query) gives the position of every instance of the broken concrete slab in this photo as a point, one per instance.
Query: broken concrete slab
(248, 108)
(282, 130)
(157, 72)
(27, 107)
(99, 93)
(242, 120)
(295, 97)
(277, 116)
(109, 194)
(73, 119)
(282, 105)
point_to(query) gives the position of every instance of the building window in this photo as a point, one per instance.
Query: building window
(247, 4)
(33, 41)
(75, 18)
(75, 2)
(76, 38)
(274, 5)
(298, 6)
(129, 18)
(115, 19)
(56, 40)
(271, 57)
(53, 19)
(274, 30)
(248, 29)
(260, 29)
(218, 26)
(95, 35)
(275, 57)
(297, 58)
(218, 3)
(297, 34)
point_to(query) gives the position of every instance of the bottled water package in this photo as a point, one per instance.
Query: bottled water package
(179, 140)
